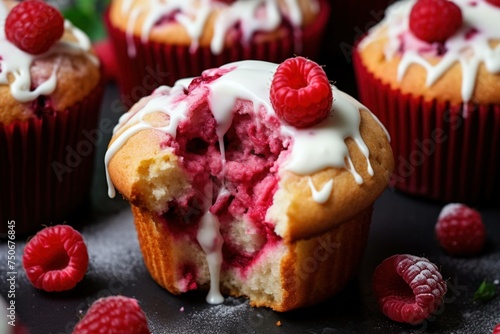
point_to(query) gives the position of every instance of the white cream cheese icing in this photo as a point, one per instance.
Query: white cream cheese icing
(312, 149)
(470, 45)
(250, 16)
(17, 63)
(322, 195)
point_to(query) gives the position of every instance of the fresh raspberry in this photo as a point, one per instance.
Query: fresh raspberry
(408, 288)
(56, 258)
(115, 314)
(460, 230)
(301, 93)
(106, 54)
(435, 20)
(34, 26)
(494, 2)
(496, 330)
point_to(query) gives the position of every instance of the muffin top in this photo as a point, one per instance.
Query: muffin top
(319, 175)
(51, 81)
(454, 57)
(214, 23)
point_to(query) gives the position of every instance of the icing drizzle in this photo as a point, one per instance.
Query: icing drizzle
(250, 16)
(312, 149)
(470, 45)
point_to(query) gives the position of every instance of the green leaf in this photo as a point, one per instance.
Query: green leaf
(89, 23)
(485, 292)
(86, 6)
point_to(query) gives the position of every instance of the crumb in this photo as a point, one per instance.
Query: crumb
(182, 309)
(278, 323)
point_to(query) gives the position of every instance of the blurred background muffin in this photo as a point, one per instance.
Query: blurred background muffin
(50, 94)
(431, 72)
(158, 42)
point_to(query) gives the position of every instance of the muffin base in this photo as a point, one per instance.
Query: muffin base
(443, 151)
(305, 272)
(47, 164)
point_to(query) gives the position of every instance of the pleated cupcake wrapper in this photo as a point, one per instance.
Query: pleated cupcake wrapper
(47, 164)
(442, 152)
(158, 64)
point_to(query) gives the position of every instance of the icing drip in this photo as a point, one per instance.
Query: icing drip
(312, 149)
(321, 196)
(323, 145)
(245, 13)
(211, 241)
(249, 16)
(468, 49)
(16, 64)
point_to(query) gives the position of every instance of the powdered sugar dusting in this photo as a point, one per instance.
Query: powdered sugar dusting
(449, 210)
(230, 317)
(120, 260)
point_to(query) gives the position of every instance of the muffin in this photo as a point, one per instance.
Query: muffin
(436, 89)
(226, 195)
(158, 42)
(49, 105)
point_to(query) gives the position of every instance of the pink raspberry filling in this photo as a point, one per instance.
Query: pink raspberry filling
(253, 149)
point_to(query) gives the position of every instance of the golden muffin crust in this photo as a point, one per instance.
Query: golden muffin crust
(282, 279)
(298, 216)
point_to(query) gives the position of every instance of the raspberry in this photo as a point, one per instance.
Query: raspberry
(408, 288)
(460, 230)
(496, 330)
(435, 20)
(115, 314)
(56, 258)
(301, 93)
(34, 26)
(494, 2)
(106, 53)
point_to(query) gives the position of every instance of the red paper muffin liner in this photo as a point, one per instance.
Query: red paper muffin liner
(46, 165)
(442, 152)
(158, 64)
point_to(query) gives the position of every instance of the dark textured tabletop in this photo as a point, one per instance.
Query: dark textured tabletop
(401, 224)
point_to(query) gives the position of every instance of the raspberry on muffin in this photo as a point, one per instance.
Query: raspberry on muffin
(44, 23)
(301, 93)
